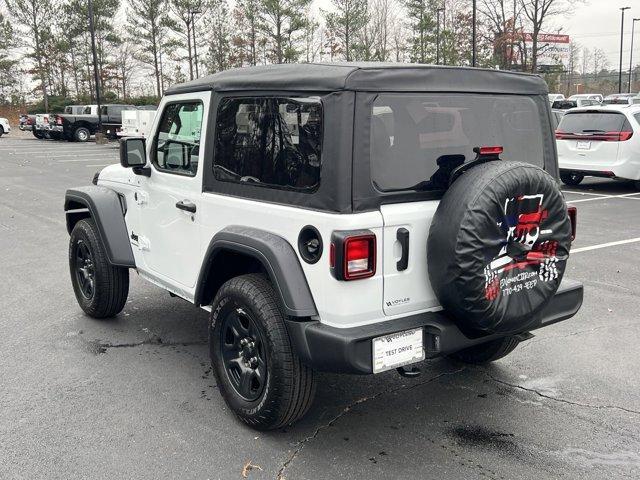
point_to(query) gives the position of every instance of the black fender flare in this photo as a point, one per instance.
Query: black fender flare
(107, 211)
(276, 255)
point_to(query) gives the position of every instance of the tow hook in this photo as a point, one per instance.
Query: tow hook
(409, 371)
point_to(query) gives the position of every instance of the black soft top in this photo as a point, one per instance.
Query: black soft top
(376, 77)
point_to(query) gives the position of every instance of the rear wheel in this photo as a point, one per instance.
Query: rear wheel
(100, 288)
(487, 352)
(571, 178)
(259, 376)
(81, 134)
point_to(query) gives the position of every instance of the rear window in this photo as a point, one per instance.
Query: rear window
(593, 122)
(416, 140)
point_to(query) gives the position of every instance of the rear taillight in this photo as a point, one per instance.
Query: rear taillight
(573, 217)
(496, 150)
(598, 137)
(352, 255)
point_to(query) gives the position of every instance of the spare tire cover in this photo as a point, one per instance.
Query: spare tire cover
(498, 247)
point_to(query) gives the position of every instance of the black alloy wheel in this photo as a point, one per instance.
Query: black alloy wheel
(84, 269)
(243, 354)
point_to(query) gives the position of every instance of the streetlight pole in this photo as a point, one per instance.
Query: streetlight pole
(633, 28)
(96, 77)
(474, 41)
(622, 9)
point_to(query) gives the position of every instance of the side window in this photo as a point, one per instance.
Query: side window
(177, 145)
(269, 142)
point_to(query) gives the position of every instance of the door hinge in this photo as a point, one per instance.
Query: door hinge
(141, 197)
(143, 243)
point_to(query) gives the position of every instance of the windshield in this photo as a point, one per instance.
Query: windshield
(592, 122)
(416, 140)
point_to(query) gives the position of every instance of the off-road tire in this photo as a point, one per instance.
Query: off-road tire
(290, 385)
(1, 131)
(110, 283)
(81, 134)
(571, 178)
(487, 352)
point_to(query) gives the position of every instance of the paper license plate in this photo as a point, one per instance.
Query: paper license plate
(583, 145)
(397, 350)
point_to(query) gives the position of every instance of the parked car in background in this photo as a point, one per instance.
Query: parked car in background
(26, 122)
(553, 97)
(4, 126)
(557, 116)
(587, 96)
(79, 128)
(579, 102)
(41, 127)
(602, 142)
(621, 99)
(136, 123)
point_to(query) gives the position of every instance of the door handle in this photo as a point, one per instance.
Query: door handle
(402, 236)
(186, 205)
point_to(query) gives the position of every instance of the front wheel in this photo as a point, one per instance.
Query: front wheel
(259, 376)
(81, 134)
(100, 288)
(487, 352)
(571, 178)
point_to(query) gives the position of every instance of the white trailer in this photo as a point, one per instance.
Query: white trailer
(136, 123)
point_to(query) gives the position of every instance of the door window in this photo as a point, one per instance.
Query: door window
(269, 142)
(177, 145)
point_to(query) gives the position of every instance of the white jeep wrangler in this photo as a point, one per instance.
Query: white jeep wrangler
(350, 218)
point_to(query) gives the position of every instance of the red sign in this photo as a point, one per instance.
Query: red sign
(547, 38)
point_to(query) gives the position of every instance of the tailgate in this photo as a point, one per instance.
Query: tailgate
(407, 290)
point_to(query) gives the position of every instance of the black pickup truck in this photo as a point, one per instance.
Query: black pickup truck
(79, 128)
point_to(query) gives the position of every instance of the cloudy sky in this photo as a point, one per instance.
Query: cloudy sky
(597, 24)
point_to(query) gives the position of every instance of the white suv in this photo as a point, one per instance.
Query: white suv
(4, 126)
(599, 142)
(352, 218)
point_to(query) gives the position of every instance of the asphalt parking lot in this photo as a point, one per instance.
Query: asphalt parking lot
(134, 397)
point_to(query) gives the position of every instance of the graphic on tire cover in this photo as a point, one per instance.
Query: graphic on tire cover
(525, 257)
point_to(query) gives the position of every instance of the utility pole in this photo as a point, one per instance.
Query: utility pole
(95, 63)
(474, 40)
(633, 28)
(622, 9)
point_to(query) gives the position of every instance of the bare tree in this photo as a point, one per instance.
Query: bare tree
(538, 13)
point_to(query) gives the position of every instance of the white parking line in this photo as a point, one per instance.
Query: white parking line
(585, 193)
(605, 245)
(626, 195)
(74, 160)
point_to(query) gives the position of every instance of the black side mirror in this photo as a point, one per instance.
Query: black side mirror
(133, 154)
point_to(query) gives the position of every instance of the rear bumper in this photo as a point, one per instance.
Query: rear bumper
(349, 350)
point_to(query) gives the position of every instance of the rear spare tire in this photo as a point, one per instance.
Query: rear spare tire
(498, 247)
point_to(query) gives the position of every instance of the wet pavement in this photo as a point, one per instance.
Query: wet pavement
(134, 396)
